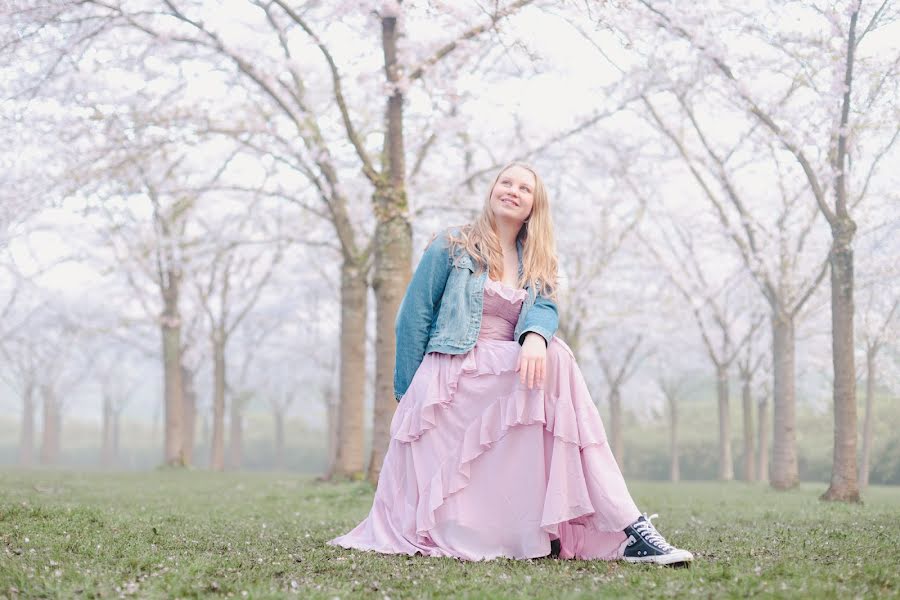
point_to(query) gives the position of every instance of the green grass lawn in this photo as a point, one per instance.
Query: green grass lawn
(196, 534)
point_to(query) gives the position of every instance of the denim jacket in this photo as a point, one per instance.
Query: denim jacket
(441, 310)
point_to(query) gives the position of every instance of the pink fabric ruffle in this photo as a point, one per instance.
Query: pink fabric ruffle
(502, 290)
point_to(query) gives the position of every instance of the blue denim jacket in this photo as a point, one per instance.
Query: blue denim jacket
(441, 310)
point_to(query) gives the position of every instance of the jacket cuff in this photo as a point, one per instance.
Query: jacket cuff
(544, 333)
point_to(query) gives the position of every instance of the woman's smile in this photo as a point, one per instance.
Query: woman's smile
(513, 194)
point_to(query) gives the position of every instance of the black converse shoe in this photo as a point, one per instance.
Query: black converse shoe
(644, 544)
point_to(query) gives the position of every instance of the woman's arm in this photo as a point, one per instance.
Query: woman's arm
(541, 323)
(542, 318)
(417, 311)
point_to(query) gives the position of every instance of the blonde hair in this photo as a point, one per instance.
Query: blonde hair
(539, 260)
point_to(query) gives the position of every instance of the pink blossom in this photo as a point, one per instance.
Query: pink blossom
(390, 9)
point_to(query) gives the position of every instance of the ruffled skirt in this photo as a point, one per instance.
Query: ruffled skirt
(479, 466)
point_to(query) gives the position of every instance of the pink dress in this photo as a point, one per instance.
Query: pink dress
(479, 466)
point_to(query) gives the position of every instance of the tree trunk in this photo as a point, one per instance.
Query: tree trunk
(726, 465)
(349, 457)
(867, 422)
(217, 449)
(762, 463)
(844, 478)
(57, 432)
(26, 442)
(235, 440)
(106, 448)
(154, 423)
(174, 390)
(205, 432)
(279, 438)
(393, 253)
(331, 410)
(115, 434)
(749, 454)
(674, 468)
(570, 330)
(617, 444)
(190, 414)
(392, 275)
(50, 436)
(785, 472)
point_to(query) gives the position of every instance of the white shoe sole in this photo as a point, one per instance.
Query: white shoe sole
(679, 556)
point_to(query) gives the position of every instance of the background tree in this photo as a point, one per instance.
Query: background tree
(719, 308)
(672, 388)
(827, 99)
(21, 374)
(879, 320)
(619, 360)
(117, 383)
(234, 279)
(749, 365)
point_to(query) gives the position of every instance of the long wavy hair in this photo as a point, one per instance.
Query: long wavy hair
(539, 260)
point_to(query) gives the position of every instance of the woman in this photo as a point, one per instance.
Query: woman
(497, 448)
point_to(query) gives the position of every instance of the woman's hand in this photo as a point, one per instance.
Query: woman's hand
(532, 360)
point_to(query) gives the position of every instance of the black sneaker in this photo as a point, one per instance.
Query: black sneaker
(644, 544)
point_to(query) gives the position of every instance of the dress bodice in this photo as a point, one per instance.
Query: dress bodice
(502, 305)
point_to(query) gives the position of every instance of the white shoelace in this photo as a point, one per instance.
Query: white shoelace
(649, 533)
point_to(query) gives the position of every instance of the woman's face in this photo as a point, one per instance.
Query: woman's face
(513, 195)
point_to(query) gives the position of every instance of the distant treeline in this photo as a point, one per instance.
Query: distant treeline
(646, 446)
(699, 461)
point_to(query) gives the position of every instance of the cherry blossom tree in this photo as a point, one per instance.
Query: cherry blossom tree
(779, 275)
(618, 367)
(833, 110)
(63, 368)
(763, 429)
(144, 219)
(21, 372)
(749, 365)
(879, 322)
(117, 385)
(719, 305)
(229, 284)
(673, 389)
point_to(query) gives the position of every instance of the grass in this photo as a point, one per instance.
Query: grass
(170, 534)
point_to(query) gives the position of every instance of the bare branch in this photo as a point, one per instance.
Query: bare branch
(759, 113)
(367, 166)
(471, 33)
